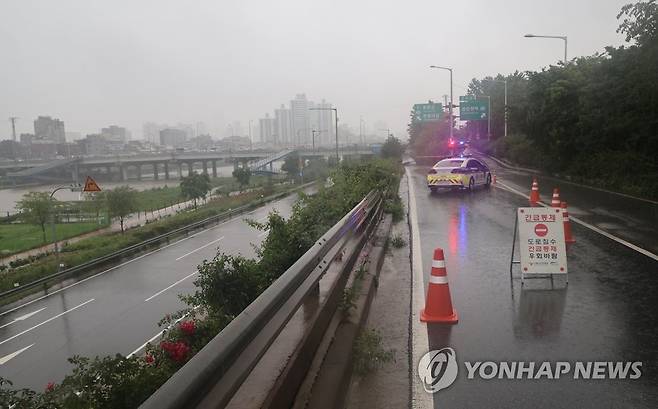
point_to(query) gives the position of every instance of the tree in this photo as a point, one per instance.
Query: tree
(37, 208)
(95, 203)
(121, 202)
(291, 165)
(195, 186)
(641, 22)
(392, 148)
(242, 175)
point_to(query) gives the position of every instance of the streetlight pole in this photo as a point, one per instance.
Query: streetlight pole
(336, 114)
(564, 38)
(450, 108)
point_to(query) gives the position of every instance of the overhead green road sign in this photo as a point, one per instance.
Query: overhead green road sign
(471, 109)
(428, 112)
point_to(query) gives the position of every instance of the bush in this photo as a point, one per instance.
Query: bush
(369, 354)
(398, 242)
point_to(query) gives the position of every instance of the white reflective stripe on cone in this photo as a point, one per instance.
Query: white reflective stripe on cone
(438, 264)
(438, 280)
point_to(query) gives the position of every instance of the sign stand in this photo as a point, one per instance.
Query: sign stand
(542, 247)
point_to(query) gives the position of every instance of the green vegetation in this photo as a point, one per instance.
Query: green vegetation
(225, 286)
(369, 354)
(93, 247)
(19, 236)
(398, 241)
(392, 148)
(195, 186)
(242, 175)
(121, 202)
(592, 120)
(37, 208)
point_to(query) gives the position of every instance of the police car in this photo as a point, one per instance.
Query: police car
(458, 173)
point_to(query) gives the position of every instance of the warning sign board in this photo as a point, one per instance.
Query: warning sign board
(91, 185)
(541, 240)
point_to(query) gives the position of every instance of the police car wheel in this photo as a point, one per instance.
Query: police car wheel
(471, 184)
(488, 179)
(433, 189)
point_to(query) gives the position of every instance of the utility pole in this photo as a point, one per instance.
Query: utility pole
(13, 127)
(251, 143)
(336, 113)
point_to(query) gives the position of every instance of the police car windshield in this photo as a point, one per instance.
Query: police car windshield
(449, 163)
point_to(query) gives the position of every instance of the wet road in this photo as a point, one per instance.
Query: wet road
(606, 313)
(118, 310)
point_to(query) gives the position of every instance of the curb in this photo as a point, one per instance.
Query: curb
(332, 381)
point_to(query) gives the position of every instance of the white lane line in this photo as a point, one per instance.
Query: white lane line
(113, 268)
(13, 355)
(263, 233)
(23, 317)
(200, 248)
(173, 285)
(47, 321)
(158, 335)
(591, 227)
(420, 341)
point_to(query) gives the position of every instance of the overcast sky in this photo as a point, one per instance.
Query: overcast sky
(95, 63)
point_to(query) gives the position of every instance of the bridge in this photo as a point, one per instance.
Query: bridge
(157, 165)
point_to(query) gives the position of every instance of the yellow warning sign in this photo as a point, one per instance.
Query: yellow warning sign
(91, 185)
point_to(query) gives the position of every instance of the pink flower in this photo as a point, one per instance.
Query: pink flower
(149, 359)
(50, 387)
(188, 327)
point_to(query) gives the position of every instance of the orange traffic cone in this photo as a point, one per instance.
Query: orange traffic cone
(534, 193)
(568, 236)
(555, 201)
(438, 305)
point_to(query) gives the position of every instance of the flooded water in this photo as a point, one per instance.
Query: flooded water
(9, 197)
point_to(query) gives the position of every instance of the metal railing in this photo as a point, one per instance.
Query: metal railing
(97, 262)
(215, 373)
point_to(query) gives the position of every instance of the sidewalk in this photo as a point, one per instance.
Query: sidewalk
(134, 220)
(390, 385)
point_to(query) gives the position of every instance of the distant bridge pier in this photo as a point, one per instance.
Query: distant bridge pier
(123, 172)
(205, 166)
(138, 168)
(166, 169)
(156, 176)
(214, 168)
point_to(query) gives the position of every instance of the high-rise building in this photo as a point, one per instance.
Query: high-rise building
(300, 120)
(115, 134)
(49, 129)
(283, 118)
(172, 137)
(151, 132)
(268, 129)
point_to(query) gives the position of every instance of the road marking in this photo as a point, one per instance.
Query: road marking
(47, 321)
(13, 355)
(420, 341)
(24, 317)
(200, 248)
(159, 334)
(589, 226)
(112, 268)
(173, 285)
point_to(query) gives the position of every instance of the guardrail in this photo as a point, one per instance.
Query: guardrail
(215, 373)
(97, 262)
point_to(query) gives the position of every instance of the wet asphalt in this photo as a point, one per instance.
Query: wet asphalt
(116, 311)
(607, 312)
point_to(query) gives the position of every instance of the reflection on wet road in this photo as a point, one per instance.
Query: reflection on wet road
(606, 312)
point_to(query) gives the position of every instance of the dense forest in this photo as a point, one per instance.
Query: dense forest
(593, 119)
